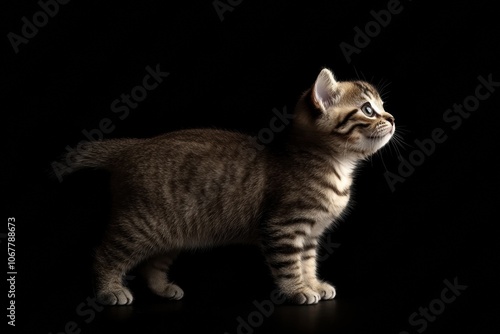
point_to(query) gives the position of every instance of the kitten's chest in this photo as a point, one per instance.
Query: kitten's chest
(338, 196)
(335, 193)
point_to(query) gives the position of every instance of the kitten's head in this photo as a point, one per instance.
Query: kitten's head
(349, 115)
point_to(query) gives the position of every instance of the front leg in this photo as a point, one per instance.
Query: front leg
(309, 265)
(284, 257)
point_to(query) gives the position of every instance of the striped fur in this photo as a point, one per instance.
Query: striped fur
(203, 188)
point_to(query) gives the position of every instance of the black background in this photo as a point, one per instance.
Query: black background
(392, 252)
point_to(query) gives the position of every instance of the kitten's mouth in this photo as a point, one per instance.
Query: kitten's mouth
(382, 134)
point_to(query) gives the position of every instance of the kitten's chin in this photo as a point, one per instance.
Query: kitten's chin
(370, 145)
(375, 142)
(380, 141)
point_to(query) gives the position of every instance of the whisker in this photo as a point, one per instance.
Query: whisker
(396, 148)
(357, 74)
(383, 162)
(381, 87)
(398, 142)
(403, 129)
(363, 75)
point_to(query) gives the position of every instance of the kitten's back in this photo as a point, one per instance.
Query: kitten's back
(207, 183)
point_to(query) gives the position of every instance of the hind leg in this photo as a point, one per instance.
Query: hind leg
(110, 269)
(155, 272)
(118, 254)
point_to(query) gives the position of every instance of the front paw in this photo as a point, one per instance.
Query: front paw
(325, 290)
(304, 296)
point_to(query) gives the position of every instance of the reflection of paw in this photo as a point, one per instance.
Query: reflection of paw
(305, 296)
(171, 291)
(325, 290)
(120, 296)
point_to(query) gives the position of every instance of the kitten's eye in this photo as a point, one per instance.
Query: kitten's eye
(367, 109)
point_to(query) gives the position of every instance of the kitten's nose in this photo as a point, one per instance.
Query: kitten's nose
(390, 119)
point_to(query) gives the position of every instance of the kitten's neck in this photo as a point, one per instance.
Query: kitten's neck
(300, 140)
(339, 164)
(345, 167)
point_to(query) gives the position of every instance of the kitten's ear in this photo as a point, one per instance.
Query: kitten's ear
(325, 90)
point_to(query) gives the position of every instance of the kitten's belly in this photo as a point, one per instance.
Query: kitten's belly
(220, 239)
(214, 221)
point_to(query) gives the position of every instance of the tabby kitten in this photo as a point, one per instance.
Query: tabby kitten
(197, 188)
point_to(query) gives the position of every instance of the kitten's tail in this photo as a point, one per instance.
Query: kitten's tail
(97, 154)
